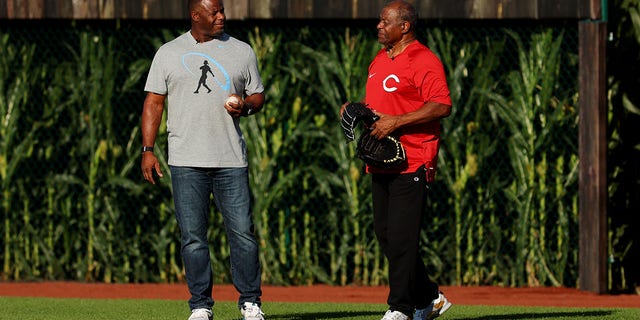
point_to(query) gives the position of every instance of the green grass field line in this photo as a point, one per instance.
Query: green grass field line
(13, 308)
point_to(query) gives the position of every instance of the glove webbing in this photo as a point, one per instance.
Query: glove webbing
(353, 113)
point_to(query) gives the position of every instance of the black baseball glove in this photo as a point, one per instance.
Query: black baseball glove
(352, 114)
(384, 153)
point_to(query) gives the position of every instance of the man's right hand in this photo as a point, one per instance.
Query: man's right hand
(150, 163)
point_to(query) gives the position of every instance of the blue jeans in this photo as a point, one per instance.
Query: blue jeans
(192, 189)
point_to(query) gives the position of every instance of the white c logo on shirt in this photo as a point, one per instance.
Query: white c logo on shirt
(384, 83)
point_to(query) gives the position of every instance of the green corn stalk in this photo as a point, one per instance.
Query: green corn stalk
(57, 247)
(88, 93)
(266, 51)
(284, 241)
(341, 76)
(50, 236)
(270, 136)
(95, 63)
(266, 139)
(161, 241)
(17, 78)
(90, 87)
(468, 143)
(307, 238)
(314, 127)
(23, 257)
(294, 273)
(531, 112)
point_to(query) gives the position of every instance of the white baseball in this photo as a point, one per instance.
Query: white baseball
(232, 99)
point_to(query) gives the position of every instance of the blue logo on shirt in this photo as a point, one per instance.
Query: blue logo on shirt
(204, 68)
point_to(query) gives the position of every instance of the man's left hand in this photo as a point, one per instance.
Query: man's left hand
(234, 107)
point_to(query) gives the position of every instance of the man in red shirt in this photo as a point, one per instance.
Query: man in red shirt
(407, 88)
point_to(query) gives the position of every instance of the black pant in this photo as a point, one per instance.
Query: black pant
(398, 203)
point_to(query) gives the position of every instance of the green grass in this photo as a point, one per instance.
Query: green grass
(142, 309)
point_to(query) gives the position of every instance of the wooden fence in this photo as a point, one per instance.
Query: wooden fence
(299, 9)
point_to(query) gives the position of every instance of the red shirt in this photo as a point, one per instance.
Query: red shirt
(404, 84)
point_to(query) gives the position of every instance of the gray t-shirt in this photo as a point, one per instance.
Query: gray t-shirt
(197, 79)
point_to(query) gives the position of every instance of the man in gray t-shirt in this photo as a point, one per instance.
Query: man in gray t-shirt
(209, 80)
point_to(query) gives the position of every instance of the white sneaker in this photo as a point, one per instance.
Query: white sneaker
(251, 311)
(437, 307)
(201, 314)
(394, 315)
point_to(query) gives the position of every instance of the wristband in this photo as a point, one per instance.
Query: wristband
(147, 148)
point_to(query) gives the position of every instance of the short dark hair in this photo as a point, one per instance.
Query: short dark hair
(193, 4)
(407, 12)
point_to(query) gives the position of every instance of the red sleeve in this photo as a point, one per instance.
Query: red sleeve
(431, 80)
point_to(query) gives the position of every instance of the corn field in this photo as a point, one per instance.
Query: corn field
(503, 209)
